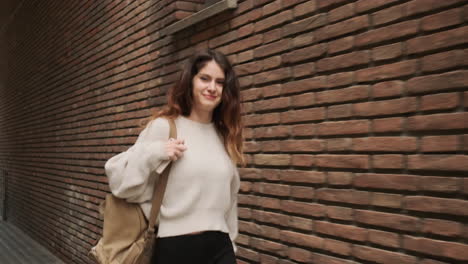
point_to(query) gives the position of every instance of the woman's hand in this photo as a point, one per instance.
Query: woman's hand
(175, 148)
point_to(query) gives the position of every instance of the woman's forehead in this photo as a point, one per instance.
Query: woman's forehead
(212, 69)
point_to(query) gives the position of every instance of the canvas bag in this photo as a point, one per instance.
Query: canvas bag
(128, 238)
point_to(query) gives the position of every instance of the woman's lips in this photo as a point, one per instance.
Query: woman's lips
(210, 97)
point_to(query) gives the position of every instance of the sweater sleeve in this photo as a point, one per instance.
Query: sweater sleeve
(129, 172)
(232, 219)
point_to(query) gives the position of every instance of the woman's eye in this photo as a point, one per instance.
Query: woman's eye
(203, 78)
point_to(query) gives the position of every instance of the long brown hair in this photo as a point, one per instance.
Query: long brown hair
(226, 116)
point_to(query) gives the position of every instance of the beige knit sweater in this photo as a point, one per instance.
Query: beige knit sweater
(202, 189)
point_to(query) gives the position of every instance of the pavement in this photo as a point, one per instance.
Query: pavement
(17, 248)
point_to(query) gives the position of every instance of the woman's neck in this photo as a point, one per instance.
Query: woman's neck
(201, 117)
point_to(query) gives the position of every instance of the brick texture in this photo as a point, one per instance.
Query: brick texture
(355, 114)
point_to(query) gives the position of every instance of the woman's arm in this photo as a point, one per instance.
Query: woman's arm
(232, 219)
(129, 172)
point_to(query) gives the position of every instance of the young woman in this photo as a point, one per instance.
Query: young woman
(198, 216)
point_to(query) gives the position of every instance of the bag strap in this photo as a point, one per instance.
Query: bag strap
(160, 187)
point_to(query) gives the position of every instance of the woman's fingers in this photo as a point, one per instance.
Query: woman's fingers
(175, 148)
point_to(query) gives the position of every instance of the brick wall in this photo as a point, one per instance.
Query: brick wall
(355, 111)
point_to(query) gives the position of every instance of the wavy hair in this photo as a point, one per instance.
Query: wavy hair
(226, 116)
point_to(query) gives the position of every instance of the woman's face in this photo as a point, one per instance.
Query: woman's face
(208, 87)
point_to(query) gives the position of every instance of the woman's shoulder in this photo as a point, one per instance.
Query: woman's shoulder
(157, 126)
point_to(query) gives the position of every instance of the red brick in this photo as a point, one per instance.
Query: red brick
(305, 145)
(444, 39)
(265, 119)
(248, 68)
(274, 75)
(319, 258)
(420, 6)
(271, 8)
(342, 196)
(302, 192)
(343, 27)
(306, 99)
(299, 254)
(436, 247)
(248, 254)
(339, 79)
(438, 82)
(304, 69)
(387, 181)
(225, 38)
(386, 125)
(303, 85)
(338, 144)
(306, 53)
(245, 56)
(273, 189)
(270, 217)
(402, 29)
(343, 61)
(300, 223)
(275, 103)
(387, 200)
(272, 48)
(385, 144)
(271, 90)
(441, 227)
(343, 127)
(312, 209)
(389, 14)
(305, 24)
(340, 213)
(299, 176)
(271, 132)
(308, 7)
(328, 3)
(464, 142)
(272, 35)
(272, 160)
(245, 30)
(387, 52)
(392, 221)
(343, 231)
(343, 95)
(438, 162)
(303, 130)
(339, 45)
(387, 71)
(387, 107)
(439, 143)
(303, 160)
(274, 20)
(302, 40)
(436, 205)
(382, 256)
(443, 60)
(384, 238)
(387, 89)
(366, 5)
(438, 122)
(341, 13)
(300, 239)
(303, 115)
(442, 101)
(388, 161)
(267, 245)
(339, 111)
(337, 247)
(242, 44)
(441, 20)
